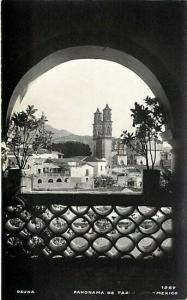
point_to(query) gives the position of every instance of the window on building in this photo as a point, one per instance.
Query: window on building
(86, 179)
(50, 180)
(87, 172)
(59, 180)
(39, 181)
(101, 168)
(130, 183)
(39, 171)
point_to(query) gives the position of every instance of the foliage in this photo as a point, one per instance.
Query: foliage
(71, 149)
(4, 160)
(103, 181)
(26, 134)
(167, 180)
(149, 121)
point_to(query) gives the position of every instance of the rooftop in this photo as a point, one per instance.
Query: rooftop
(57, 161)
(132, 170)
(75, 159)
(94, 159)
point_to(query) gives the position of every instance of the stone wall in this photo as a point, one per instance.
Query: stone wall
(56, 182)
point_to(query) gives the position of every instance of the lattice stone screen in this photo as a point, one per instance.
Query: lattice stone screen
(55, 230)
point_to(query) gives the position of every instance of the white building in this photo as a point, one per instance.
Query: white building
(34, 159)
(100, 166)
(74, 161)
(44, 153)
(119, 160)
(119, 153)
(84, 170)
(43, 166)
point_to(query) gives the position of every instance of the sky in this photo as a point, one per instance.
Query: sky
(70, 93)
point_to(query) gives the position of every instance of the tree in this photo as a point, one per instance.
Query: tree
(27, 133)
(72, 148)
(149, 121)
(4, 160)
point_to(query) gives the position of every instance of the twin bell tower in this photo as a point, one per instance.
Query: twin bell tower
(102, 134)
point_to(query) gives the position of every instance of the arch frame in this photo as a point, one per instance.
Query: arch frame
(92, 52)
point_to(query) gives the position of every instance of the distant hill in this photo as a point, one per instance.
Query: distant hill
(57, 132)
(62, 136)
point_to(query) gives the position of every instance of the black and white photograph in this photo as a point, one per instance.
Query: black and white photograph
(64, 137)
(93, 149)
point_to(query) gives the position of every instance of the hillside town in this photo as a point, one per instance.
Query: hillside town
(112, 166)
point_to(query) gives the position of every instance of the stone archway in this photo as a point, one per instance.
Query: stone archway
(91, 52)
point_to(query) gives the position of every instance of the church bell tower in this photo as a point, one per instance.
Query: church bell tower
(107, 134)
(102, 134)
(97, 134)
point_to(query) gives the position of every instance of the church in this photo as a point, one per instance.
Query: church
(102, 134)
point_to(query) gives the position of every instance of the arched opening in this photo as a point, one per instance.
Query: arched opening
(92, 52)
(50, 180)
(59, 180)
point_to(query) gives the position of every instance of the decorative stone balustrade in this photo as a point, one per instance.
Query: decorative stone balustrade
(107, 231)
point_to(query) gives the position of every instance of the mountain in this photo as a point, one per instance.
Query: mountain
(62, 136)
(57, 132)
